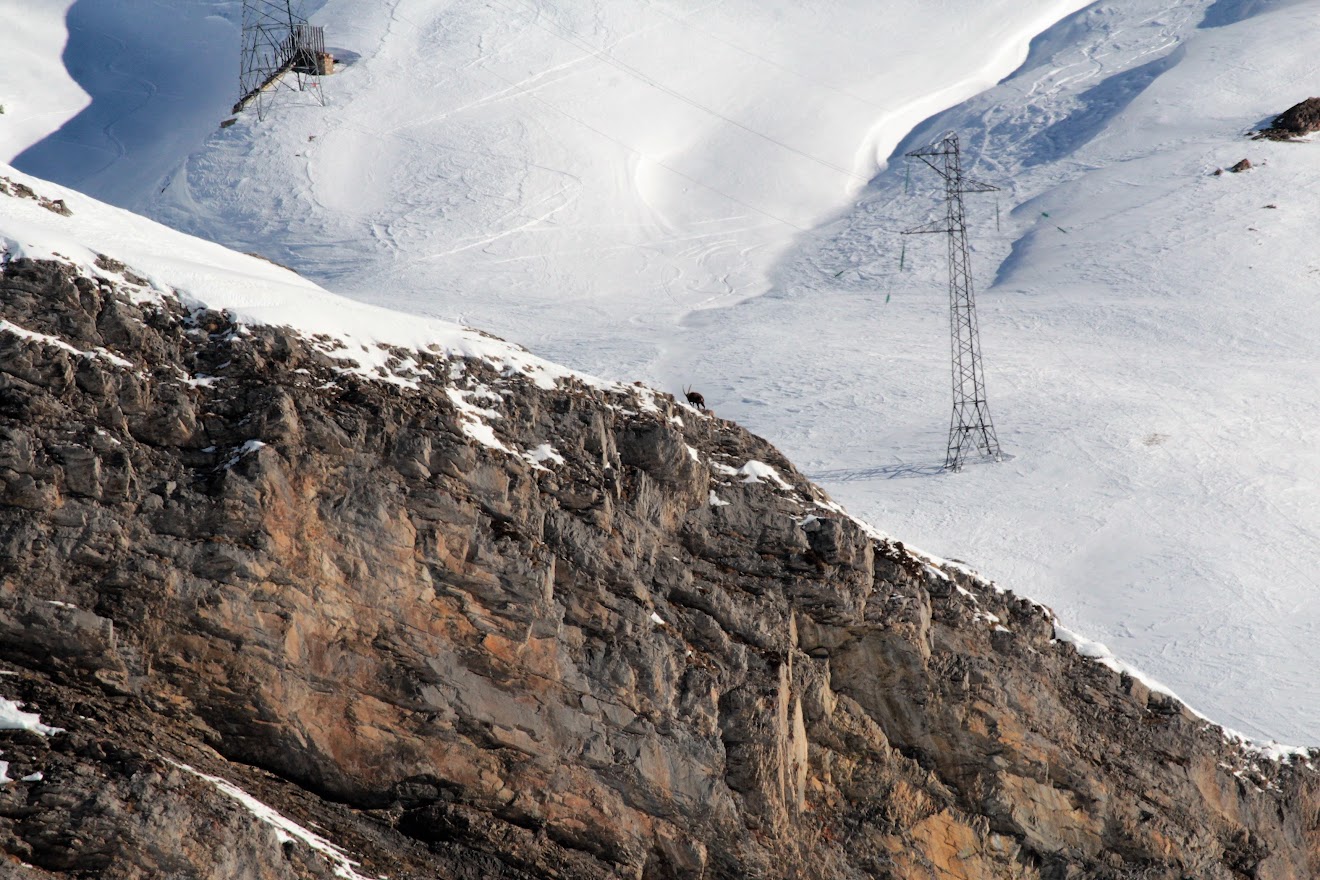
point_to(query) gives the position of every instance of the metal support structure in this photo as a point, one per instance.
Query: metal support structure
(277, 42)
(971, 427)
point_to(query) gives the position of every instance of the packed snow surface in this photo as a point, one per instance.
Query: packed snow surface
(712, 194)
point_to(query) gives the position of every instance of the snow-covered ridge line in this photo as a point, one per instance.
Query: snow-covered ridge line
(251, 290)
(1101, 654)
(151, 264)
(1090, 649)
(939, 568)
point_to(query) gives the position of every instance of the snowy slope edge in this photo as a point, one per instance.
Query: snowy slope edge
(96, 237)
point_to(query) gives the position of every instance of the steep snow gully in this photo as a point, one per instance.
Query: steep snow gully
(650, 190)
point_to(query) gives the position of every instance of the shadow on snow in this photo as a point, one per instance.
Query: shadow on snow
(159, 78)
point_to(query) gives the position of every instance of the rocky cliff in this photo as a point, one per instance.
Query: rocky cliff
(292, 621)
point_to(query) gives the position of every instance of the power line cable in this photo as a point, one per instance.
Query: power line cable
(683, 21)
(640, 154)
(521, 89)
(577, 42)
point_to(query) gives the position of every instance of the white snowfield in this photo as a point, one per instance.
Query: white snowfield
(699, 193)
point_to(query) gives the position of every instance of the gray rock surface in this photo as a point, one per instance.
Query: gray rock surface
(453, 662)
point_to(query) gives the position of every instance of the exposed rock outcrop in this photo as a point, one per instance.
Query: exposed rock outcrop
(1297, 121)
(599, 651)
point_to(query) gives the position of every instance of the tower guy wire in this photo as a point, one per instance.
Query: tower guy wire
(970, 428)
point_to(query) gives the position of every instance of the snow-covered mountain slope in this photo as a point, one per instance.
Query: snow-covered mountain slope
(643, 190)
(42, 221)
(509, 161)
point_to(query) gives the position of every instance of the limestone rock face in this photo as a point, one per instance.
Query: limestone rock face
(224, 556)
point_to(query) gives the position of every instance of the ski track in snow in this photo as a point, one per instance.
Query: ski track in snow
(624, 186)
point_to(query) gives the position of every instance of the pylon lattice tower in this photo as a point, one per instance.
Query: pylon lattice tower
(277, 40)
(971, 427)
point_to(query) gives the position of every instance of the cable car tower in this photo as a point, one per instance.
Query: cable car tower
(277, 42)
(971, 428)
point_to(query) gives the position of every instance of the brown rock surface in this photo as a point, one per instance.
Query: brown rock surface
(1298, 120)
(453, 662)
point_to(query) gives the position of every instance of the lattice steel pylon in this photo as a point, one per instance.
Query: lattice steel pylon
(971, 427)
(277, 41)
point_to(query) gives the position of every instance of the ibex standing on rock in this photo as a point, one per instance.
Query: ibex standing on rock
(695, 399)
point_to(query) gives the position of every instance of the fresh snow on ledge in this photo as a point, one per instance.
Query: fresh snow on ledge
(1094, 650)
(285, 829)
(544, 452)
(14, 330)
(757, 471)
(12, 717)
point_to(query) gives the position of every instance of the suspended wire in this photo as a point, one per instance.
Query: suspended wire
(683, 21)
(603, 54)
(609, 137)
(577, 42)
(520, 89)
